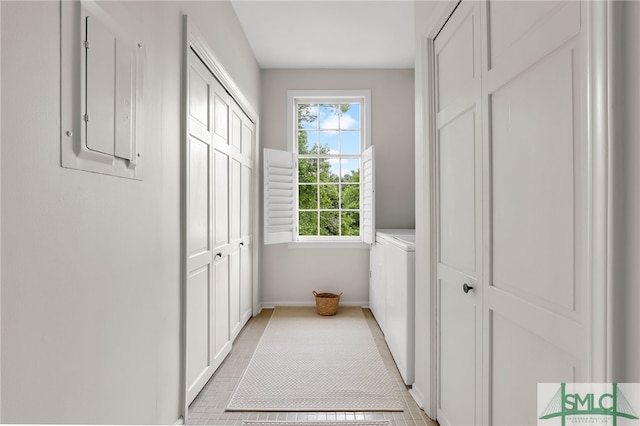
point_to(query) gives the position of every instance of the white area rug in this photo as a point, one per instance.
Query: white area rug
(307, 362)
(318, 423)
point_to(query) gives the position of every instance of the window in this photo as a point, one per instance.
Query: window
(329, 149)
(317, 192)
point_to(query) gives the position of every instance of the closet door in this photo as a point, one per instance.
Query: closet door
(512, 182)
(246, 213)
(459, 224)
(535, 144)
(235, 236)
(225, 261)
(200, 285)
(240, 244)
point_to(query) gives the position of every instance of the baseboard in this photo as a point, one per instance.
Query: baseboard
(257, 310)
(417, 396)
(271, 305)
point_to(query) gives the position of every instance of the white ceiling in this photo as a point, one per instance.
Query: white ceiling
(329, 33)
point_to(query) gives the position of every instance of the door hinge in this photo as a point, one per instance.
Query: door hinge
(86, 118)
(86, 44)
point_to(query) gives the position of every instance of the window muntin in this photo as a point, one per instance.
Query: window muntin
(329, 148)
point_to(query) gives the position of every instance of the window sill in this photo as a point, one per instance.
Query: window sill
(328, 245)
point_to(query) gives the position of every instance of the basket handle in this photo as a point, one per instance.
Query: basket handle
(314, 293)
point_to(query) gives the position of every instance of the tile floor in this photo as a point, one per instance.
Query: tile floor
(208, 407)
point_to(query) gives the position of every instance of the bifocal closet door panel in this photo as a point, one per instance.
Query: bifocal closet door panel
(459, 225)
(241, 191)
(235, 188)
(246, 214)
(222, 220)
(199, 244)
(536, 204)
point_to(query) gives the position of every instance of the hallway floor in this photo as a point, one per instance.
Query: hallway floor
(208, 407)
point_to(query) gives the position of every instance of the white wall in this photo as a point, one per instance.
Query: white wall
(289, 275)
(91, 278)
(626, 194)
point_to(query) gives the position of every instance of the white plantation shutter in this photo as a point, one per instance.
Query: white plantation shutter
(279, 196)
(368, 197)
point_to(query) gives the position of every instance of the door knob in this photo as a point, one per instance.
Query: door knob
(220, 255)
(466, 288)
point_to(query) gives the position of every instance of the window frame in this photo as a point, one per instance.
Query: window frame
(295, 97)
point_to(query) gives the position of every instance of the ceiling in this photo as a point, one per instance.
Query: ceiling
(329, 33)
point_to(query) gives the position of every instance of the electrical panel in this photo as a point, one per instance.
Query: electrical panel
(103, 130)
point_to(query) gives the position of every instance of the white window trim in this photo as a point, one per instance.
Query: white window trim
(320, 96)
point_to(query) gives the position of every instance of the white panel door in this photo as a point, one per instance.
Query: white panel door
(246, 213)
(512, 208)
(200, 281)
(240, 196)
(459, 225)
(235, 188)
(223, 220)
(536, 204)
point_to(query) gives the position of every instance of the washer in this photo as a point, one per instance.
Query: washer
(392, 294)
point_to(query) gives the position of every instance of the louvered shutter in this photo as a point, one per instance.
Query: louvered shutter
(279, 196)
(368, 197)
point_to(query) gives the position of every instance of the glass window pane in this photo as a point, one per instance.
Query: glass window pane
(351, 196)
(329, 116)
(329, 142)
(329, 223)
(329, 170)
(351, 170)
(308, 223)
(308, 197)
(350, 142)
(329, 196)
(307, 170)
(350, 117)
(350, 223)
(307, 116)
(307, 141)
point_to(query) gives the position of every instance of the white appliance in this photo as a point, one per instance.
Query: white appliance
(392, 294)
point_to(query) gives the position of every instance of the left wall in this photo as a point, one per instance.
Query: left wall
(91, 278)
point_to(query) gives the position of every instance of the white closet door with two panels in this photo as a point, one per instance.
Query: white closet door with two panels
(459, 236)
(203, 347)
(218, 210)
(511, 173)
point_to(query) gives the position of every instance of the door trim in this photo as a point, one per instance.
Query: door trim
(193, 40)
(599, 115)
(598, 48)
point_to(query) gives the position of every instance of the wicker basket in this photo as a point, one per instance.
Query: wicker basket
(327, 303)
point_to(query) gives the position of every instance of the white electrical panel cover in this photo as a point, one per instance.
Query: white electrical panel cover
(102, 81)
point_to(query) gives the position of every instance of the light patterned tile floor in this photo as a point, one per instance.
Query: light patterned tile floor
(208, 407)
